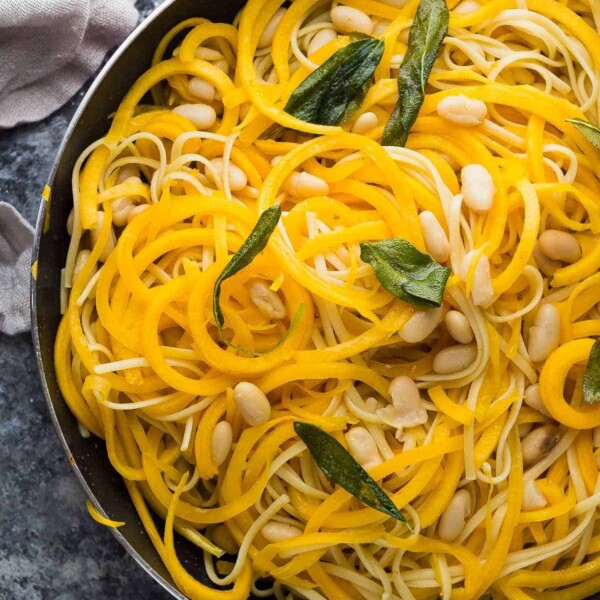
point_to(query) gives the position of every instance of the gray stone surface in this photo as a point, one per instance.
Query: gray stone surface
(50, 549)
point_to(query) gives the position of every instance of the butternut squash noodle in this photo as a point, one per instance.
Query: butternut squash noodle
(469, 416)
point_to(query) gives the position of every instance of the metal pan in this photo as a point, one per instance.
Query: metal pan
(88, 456)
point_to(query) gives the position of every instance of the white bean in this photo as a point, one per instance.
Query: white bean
(453, 519)
(454, 358)
(222, 65)
(560, 245)
(266, 38)
(252, 403)
(533, 398)
(482, 291)
(436, 239)
(421, 325)
(539, 443)
(95, 236)
(466, 7)
(201, 89)
(267, 301)
(320, 39)
(237, 177)
(461, 110)
(459, 327)
(80, 260)
(305, 185)
(533, 499)
(362, 446)
(138, 210)
(544, 334)
(478, 187)
(208, 54)
(365, 123)
(128, 171)
(121, 207)
(274, 531)
(546, 265)
(201, 116)
(347, 20)
(408, 409)
(220, 444)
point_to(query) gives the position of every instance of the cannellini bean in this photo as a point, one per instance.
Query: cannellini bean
(365, 123)
(305, 185)
(266, 38)
(95, 236)
(459, 327)
(347, 19)
(121, 207)
(560, 245)
(524, 429)
(222, 65)
(544, 334)
(436, 239)
(461, 110)
(539, 443)
(267, 301)
(546, 265)
(533, 499)
(274, 531)
(220, 445)
(320, 39)
(201, 116)
(201, 89)
(221, 537)
(362, 446)
(379, 27)
(252, 403)
(408, 409)
(453, 519)
(533, 398)
(137, 210)
(466, 7)
(478, 189)
(126, 172)
(482, 291)
(208, 54)
(71, 222)
(454, 358)
(237, 177)
(80, 260)
(276, 159)
(421, 325)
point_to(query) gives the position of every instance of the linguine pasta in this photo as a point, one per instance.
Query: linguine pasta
(492, 457)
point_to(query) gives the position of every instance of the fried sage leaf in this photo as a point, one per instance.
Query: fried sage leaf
(590, 131)
(427, 33)
(333, 92)
(591, 378)
(254, 244)
(338, 464)
(406, 272)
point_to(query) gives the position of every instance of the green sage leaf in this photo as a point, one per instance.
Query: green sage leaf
(590, 131)
(427, 33)
(591, 378)
(338, 464)
(250, 249)
(406, 272)
(333, 92)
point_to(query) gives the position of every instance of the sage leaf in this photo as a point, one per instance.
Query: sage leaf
(591, 378)
(590, 131)
(406, 272)
(250, 249)
(339, 465)
(333, 92)
(427, 33)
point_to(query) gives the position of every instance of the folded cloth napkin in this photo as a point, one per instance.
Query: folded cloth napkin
(49, 48)
(16, 239)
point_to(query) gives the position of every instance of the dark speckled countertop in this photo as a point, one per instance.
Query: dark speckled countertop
(50, 549)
